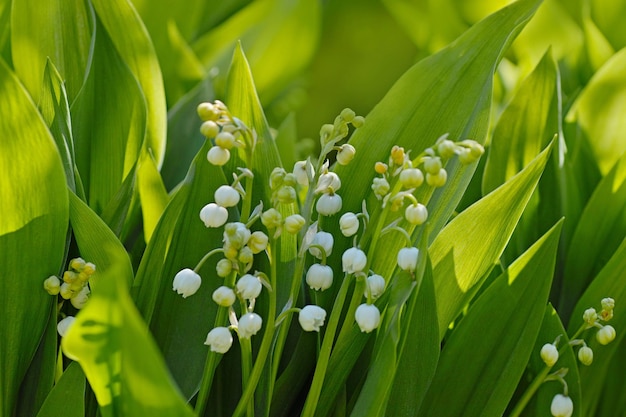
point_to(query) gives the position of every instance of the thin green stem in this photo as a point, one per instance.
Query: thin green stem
(322, 364)
(206, 258)
(246, 369)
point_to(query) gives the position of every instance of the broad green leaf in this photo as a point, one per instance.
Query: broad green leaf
(179, 241)
(55, 30)
(97, 244)
(485, 228)
(152, 193)
(39, 378)
(485, 356)
(551, 329)
(608, 16)
(612, 397)
(33, 228)
(599, 232)
(598, 111)
(280, 37)
(425, 104)
(67, 398)
(522, 130)
(598, 48)
(132, 42)
(5, 31)
(117, 354)
(286, 141)
(109, 123)
(608, 283)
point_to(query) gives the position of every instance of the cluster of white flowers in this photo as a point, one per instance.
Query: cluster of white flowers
(562, 404)
(75, 283)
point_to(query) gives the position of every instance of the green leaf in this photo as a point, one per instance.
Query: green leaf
(607, 15)
(485, 228)
(425, 103)
(109, 123)
(280, 37)
(598, 234)
(55, 30)
(98, 244)
(133, 44)
(33, 228)
(608, 283)
(67, 396)
(485, 356)
(598, 111)
(119, 358)
(152, 193)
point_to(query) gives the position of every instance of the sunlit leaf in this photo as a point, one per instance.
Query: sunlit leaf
(33, 228)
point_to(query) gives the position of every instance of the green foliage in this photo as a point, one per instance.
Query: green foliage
(101, 157)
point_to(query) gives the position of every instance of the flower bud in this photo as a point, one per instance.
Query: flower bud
(345, 155)
(353, 260)
(411, 178)
(236, 234)
(77, 264)
(380, 167)
(549, 354)
(224, 268)
(380, 186)
(437, 180)
(220, 339)
(585, 355)
(224, 296)
(89, 269)
(375, 285)
(590, 316)
(607, 303)
(348, 115)
(245, 255)
(328, 204)
(605, 335)
(70, 277)
(66, 291)
(432, 165)
(349, 224)
(286, 195)
(294, 223)
(367, 316)
(207, 111)
(311, 318)
(303, 170)
(466, 157)
(64, 325)
(258, 242)
(52, 285)
(407, 259)
(249, 287)
(397, 155)
(218, 156)
(319, 277)
(213, 215)
(326, 130)
(209, 129)
(323, 239)
(271, 218)
(226, 196)
(416, 213)
(445, 148)
(562, 406)
(225, 140)
(277, 177)
(186, 282)
(249, 325)
(358, 121)
(79, 299)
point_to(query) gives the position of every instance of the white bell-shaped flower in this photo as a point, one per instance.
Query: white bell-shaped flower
(249, 325)
(353, 260)
(407, 259)
(328, 204)
(606, 335)
(562, 406)
(258, 242)
(411, 178)
(64, 325)
(328, 182)
(303, 170)
(585, 355)
(218, 156)
(416, 213)
(186, 282)
(375, 286)
(79, 299)
(213, 215)
(323, 239)
(219, 339)
(294, 223)
(367, 316)
(311, 318)
(249, 287)
(345, 155)
(349, 224)
(227, 196)
(319, 277)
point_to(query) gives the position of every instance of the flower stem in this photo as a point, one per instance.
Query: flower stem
(246, 369)
(322, 364)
